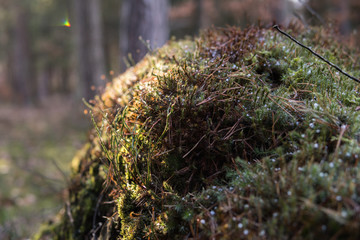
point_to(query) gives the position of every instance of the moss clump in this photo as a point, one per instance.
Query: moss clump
(240, 134)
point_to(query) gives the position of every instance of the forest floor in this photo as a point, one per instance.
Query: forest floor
(36, 148)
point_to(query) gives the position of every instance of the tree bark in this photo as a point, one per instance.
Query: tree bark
(146, 19)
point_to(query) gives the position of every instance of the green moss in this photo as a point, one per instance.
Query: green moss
(241, 134)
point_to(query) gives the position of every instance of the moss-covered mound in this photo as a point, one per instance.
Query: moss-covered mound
(240, 134)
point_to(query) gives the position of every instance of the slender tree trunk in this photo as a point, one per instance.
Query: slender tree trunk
(344, 17)
(199, 14)
(96, 41)
(21, 73)
(145, 19)
(89, 45)
(280, 11)
(65, 88)
(43, 84)
(124, 33)
(82, 47)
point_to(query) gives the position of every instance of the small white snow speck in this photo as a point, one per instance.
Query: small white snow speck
(202, 221)
(289, 193)
(262, 233)
(344, 214)
(316, 145)
(311, 125)
(212, 212)
(240, 225)
(338, 198)
(246, 232)
(331, 164)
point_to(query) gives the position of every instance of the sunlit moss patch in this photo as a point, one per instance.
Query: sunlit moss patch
(239, 134)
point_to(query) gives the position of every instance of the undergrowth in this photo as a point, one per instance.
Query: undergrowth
(238, 135)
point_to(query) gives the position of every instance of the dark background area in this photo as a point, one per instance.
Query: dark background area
(53, 53)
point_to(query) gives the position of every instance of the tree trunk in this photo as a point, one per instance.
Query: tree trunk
(22, 81)
(344, 17)
(90, 51)
(199, 15)
(43, 84)
(82, 46)
(96, 41)
(145, 19)
(280, 11)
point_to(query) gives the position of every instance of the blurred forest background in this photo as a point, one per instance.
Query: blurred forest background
(53, 53)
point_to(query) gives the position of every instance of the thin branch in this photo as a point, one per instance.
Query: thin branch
(322, 58)
(62, 172)
(194, 146)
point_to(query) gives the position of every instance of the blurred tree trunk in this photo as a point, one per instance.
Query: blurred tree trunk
(202, 20)
(90, 51)
(82, 47)
(65, 86)
(96, 40)
(23, 83)
(344, 17)
(280, 11)
(43, 83)
(147, 19)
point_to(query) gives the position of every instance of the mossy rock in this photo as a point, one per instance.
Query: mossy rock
(241, 134)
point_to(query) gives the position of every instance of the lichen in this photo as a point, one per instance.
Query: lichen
(239, 134)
